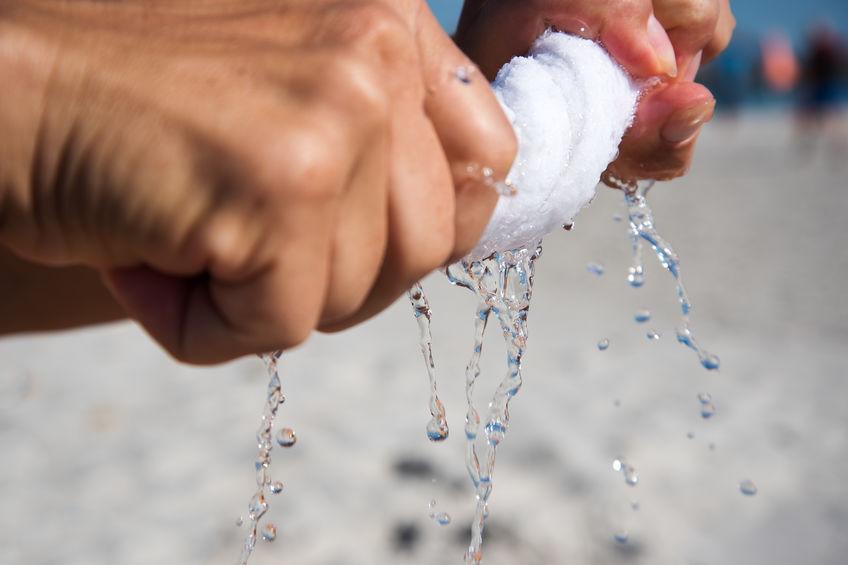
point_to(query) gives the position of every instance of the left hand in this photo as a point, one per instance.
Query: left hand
(665, 38)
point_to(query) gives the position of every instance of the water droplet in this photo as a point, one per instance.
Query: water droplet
(621, 537)
(636, 276)
(269, 532)
(617, 217)
(653, 335)
(286, 437)
(257, 508)
(239, 522)
(568, 226)
(690, 435)
(631, 477)
(708, 410)
(712, 446)
(635, 506)
(748, 488)
(441, 518)
(603, 345)
(276, 487)
(642, 316)
(595, 268)
(705, 397)
(463, 74)
(437, 429)
(710, 362)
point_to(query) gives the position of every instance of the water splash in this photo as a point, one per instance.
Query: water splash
(503, 283)
(437, 427)
(641, 220)
(258, 505)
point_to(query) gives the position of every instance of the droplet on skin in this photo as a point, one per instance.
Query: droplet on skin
(595, 268)
(276, 487)
(748, 488)
(642, 316)
(269, 532)
(603, 345)
(286, 437)
(463, 74)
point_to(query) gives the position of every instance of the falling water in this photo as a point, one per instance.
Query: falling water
(437, 427)
(258, 505)
(503, 282)
(642, 229)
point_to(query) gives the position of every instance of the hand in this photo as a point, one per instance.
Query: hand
(242, 172)
(648, 39)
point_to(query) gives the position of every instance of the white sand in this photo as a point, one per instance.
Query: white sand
(113, 454)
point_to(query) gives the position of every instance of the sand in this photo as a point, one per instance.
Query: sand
(114, 454)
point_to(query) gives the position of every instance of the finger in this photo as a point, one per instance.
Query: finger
(690, 25)
(361, 230)
(473, 130)
(640, 44)
(659, 145)
(723, 32)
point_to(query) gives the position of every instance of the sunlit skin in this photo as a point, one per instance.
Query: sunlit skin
(239, 173)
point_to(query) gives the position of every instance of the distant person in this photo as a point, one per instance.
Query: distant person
(819, 96)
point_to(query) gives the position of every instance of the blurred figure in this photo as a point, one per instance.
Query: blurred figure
(819, 96)
(779, 64)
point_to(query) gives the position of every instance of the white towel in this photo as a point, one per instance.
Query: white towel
(570, 105)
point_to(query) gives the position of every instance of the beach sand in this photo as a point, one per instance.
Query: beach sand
(114, 454)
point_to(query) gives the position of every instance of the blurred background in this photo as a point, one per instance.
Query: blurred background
(112, 453)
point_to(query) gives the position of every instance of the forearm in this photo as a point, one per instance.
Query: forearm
(40, 298)
(33, 297)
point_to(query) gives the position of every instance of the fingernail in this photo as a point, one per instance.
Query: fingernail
(693, 67)
(683, 124)
(662, 46)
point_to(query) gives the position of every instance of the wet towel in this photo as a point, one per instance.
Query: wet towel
(569, 104)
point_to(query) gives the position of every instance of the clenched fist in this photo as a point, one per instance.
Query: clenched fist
(242, 172)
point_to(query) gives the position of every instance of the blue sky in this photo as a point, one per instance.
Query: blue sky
(757, 16)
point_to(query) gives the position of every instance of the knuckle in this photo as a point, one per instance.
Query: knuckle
(378, 30)
(352, 84)
(300, 163)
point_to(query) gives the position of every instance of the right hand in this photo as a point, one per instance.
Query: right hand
(242, 172)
